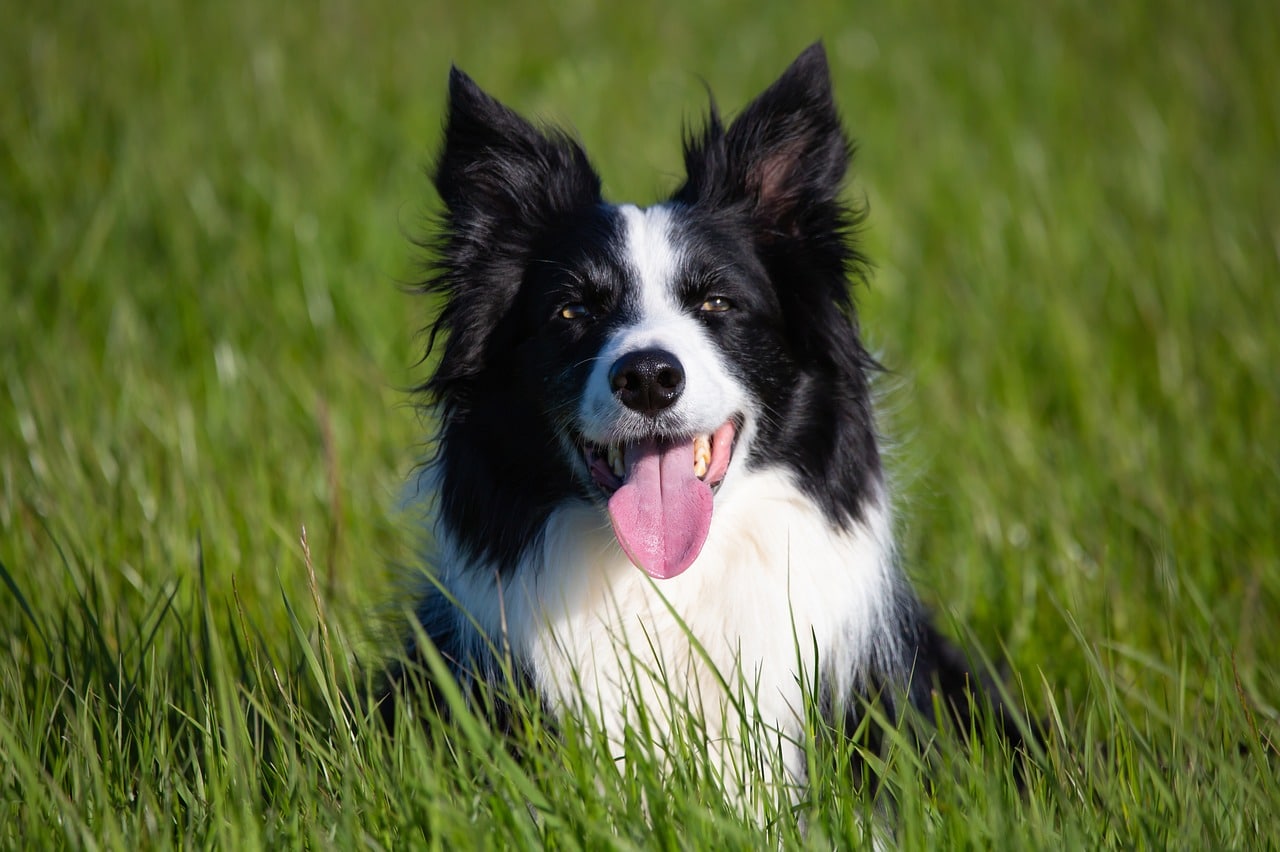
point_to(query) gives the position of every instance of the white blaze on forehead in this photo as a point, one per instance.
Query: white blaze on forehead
(656, 319)
(653, 256)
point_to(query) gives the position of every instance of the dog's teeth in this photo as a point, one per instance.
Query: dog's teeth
(615, 460)
(701, 455)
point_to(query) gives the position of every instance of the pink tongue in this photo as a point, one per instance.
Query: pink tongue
(662, 512)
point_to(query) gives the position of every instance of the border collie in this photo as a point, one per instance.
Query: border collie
(656, 485)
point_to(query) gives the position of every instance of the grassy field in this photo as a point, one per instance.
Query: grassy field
(206, 214)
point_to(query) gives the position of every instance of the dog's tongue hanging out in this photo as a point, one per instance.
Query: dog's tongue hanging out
(662, 511)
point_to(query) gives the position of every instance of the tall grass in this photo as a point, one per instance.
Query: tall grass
(205, 217)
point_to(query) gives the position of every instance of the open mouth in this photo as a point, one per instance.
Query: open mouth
(660, 493)
(711, 456)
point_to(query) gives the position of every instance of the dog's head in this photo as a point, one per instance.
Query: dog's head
(644, 358)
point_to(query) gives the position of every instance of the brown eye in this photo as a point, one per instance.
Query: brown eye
(716, 305)
(575, 311)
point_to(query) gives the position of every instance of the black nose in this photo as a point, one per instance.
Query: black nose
(647, 380)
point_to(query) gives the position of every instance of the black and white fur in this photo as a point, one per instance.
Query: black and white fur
(740, 281)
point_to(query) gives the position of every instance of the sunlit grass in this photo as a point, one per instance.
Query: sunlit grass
(206, 215)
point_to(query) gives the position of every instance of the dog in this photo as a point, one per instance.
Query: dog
(656, 485)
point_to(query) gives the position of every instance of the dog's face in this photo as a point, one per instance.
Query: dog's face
(650, 356)
(645, 342)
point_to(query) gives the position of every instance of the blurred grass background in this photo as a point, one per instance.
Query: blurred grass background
(205, 219)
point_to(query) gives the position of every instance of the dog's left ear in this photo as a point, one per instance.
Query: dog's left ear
(786, 152)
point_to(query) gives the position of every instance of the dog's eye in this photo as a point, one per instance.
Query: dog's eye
(716, 305)
(575, 311)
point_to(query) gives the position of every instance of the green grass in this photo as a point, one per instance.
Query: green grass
(205, 214)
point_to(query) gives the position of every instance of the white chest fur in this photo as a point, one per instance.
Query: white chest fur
(776, 597)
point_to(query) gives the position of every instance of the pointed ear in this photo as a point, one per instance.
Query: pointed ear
(498, 167)
(784, 153)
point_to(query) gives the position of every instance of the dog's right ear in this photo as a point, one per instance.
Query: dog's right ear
(499, 170)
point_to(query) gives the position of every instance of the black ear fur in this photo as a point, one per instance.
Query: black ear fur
(785, 153)
(504, 184)
(498, 168)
